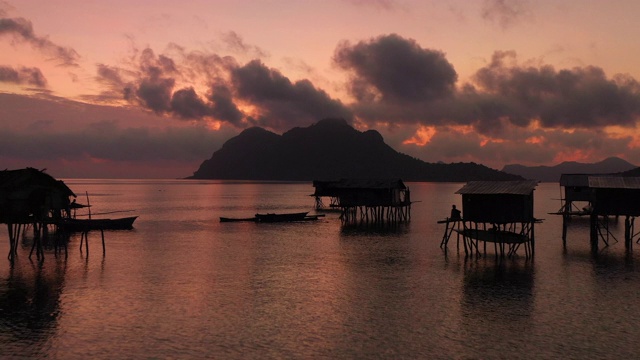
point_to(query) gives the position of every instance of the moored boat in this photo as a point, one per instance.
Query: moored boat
(272, 217)
(72, 225)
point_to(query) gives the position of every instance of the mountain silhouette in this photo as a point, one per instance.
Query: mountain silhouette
(328, 149)
(552, 173)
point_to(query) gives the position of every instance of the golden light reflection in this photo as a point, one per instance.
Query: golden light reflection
(422, 136)
(214, 125)
(619, 132)
(572, 155)
(97, 160)
(488, 140)
(535, 140)
(462, 129)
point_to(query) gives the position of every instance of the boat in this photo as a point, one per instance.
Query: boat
(73, 225)
(274, 218)
(226, 219)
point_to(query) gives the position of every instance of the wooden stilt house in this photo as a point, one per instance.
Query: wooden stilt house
(600, 197)
(498, 212)
(366, 202)
(30, 197)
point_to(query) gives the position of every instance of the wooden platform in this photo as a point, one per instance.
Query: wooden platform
(496, 236)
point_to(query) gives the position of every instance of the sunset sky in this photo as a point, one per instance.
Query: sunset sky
(151, 88)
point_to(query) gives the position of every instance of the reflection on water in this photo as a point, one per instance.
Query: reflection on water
(30, 306)
(184, 285)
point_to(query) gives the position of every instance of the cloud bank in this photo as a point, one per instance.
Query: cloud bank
(21, 30)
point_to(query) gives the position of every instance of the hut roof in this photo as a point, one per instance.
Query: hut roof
(518, 187)
(579, 180)
(614, 182)
(11, 180)
(361, 184)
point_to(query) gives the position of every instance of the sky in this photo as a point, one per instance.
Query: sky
(151, 88)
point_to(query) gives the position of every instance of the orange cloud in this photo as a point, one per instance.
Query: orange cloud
(422, 137)
(573, 155)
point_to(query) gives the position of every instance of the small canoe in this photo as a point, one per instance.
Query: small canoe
(73, 225)
(271, 217)
(226, 219)
(275, 218)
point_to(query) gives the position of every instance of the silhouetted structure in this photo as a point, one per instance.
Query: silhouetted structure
(31, 197)
(499, 212)
(605, 196)
(366, 202)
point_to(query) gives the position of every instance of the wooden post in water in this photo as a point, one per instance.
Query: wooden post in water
(104, 251)
(593, 222)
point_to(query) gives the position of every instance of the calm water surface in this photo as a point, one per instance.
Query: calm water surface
(183, 285)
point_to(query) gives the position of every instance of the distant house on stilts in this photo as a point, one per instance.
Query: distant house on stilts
(366, 202)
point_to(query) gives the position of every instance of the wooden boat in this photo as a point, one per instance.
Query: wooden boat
(226, 219)
(73, 225)
(274, 218)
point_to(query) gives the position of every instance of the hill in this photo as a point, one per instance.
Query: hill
(552, 173)
(329, 149)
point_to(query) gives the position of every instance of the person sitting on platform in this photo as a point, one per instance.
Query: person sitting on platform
(455, 213)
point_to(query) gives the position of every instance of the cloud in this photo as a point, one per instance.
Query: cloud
(223, 105)
(236, 44)
(505, 93)
(217, 88)
(280, 103)
(504, 13)
(582, 97)
(381, 4)
(22, 30)
(393, 69)
(59, 132)
(23, 75)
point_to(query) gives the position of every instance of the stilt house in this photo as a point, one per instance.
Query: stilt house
(30, 196)
(366, 201)
(499, 212)
(607, 196)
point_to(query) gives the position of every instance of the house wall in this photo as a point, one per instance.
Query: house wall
(500, 208)
(617, 202)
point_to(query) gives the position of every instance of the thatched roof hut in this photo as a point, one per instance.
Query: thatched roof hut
(30, 194)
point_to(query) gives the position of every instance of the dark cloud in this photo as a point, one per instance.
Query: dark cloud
(223, 105)
(504, 13)
(187, 104)
(504, 94)
(23, 75)
(85, 140)
(283, 104)
(393, 69)
(574, 98)
(22, 30)
(155, 93)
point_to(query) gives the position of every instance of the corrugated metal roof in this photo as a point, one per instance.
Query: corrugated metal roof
(519, 187)
(580, 180)
(361, 184)
(614, 182)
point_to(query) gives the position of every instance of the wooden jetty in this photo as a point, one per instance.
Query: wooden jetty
(496, 212)
(366, 202)
(604, 197)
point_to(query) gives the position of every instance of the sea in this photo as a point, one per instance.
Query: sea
(183, 285)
